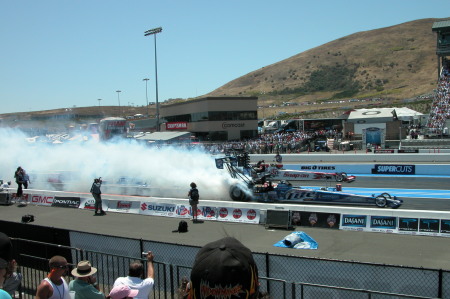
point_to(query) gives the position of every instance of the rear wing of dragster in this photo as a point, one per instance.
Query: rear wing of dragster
(231, 164)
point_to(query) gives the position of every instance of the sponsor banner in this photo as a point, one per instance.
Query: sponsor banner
(89, 203)
(429, 226)
(66, 202)
(123, 206)
(226, 125)
(183, 211)
(25, 197)
(354, 222)
(42, 200)
(408, 151)
(394, 169)
(445, 226)
(208, 213)
(408, 225)
(158, 209)
(383, 151)
(384, 224)
(176, 125)
(308, 219)
(320, 168)
(238, 215)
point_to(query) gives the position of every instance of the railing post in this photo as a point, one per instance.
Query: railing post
(268, 271)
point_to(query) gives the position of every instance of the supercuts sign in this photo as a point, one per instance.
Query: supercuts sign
(394, 169)
(176, 126)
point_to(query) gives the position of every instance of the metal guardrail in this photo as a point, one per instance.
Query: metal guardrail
(34, 268)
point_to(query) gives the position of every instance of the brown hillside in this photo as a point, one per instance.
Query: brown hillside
(397, 62)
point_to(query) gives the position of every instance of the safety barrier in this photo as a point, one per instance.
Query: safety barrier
(412, 222)
(303, 278)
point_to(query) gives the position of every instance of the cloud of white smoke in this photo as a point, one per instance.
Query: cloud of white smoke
(167, 171)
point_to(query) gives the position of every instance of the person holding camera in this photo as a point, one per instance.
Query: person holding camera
(96, 193)
(135, 280)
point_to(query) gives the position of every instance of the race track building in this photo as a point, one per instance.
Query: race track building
(213, 118)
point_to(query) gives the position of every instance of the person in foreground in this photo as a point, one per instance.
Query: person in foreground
(54, 285)
(6, 261)
(85, 283)
(224, 269)
(122, 292)
(134, 279)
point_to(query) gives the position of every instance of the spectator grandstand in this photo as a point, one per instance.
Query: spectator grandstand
(440, 111)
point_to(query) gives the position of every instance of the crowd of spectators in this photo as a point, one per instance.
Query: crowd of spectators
(440, 110)
(224, 268)
(272, 143)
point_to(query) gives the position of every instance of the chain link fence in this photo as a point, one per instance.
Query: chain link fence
(281, 276)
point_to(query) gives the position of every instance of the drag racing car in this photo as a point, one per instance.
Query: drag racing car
(278, 173)
(284, 192)
(262, 189)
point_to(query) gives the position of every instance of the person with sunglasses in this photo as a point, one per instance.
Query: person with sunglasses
(54, 286)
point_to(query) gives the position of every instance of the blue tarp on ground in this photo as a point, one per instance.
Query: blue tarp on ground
(297, 240)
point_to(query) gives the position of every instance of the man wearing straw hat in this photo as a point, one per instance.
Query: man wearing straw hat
(85, 283)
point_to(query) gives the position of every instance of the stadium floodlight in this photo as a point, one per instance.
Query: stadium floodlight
(154, 31)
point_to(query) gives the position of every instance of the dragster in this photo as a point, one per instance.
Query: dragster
(262, 189)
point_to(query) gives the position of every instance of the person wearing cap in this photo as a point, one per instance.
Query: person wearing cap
(54, 285)
(134, 280)
(224, 269)
(6, 252)
(122, 292)
(85, 283)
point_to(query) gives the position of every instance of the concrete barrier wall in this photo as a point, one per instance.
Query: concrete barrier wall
(259, 211)
(357, 157)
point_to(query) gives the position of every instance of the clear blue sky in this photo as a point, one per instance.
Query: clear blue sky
(61, 53)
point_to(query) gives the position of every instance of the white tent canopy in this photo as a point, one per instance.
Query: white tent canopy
(403, 113)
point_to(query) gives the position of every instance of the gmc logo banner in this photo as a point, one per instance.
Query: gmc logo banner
(394, 169)
(66, 202)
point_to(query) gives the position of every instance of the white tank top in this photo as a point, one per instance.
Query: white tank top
(59, 291)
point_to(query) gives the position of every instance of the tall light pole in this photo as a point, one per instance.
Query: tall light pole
(118, 99)
(146, 97)
(99, 102)
(154, 31)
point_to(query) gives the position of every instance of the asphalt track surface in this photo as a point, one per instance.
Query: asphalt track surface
(381, 248)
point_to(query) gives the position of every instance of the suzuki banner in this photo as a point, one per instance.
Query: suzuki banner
(158, 209)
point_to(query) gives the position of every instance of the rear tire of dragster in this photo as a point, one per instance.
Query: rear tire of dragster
(386, 195)
(340, 176)
(380, 201)
(238, 194)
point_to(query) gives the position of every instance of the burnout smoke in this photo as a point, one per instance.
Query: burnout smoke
(123, 165)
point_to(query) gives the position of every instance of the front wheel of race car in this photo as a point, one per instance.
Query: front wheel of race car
(340, 176)
(238, 194)
(380, 201)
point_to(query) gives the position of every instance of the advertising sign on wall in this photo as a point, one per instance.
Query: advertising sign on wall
(176, 126)
(394, 169)
(353, 222)
(66, 202)
(158, 209)
(238, 215)
(385, 224)
(408, 225)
